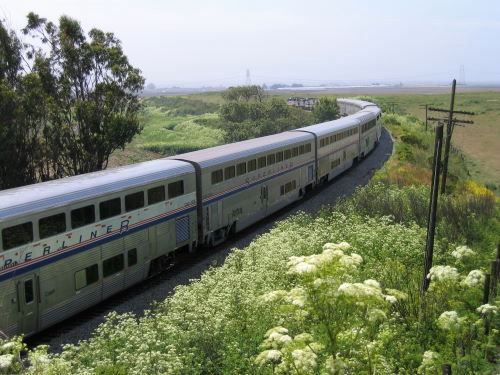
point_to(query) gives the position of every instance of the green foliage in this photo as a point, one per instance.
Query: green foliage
(326, 110)
(92, 91)
(175, 106)
(243, 93)
(242, 120)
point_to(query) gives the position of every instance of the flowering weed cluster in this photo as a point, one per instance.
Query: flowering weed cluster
(340, 290)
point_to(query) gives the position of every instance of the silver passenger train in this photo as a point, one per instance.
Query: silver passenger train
(67, 244)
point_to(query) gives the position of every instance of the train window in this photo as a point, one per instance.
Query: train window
(82, 216)
(156, 194)
(261, 162)
(279, 156)
(302, 149)
(112, 265)
(29, 293)
(132, 257)
(322, 142)
(87, 276)
(271, 159)
(288, 154)
(241, 169)
(229, 172)
(282, 190)
(110, 208)
(217, 176)
(17, 235)
(295, 152)
(331, 139)
(176, 189)
(252, 165)
(308, 147)
(52, 225)
(134, 201)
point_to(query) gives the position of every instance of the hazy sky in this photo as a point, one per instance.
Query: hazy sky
(193, 43)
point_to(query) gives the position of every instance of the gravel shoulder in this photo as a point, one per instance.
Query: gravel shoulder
(82, 325)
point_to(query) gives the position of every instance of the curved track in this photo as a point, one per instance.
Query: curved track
(140, 297)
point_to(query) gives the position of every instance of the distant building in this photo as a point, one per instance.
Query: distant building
(304, 103)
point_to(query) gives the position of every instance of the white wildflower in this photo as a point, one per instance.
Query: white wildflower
(303, 268)
(318, 282)
(359, 290)
(462, 252)
(486, 309)
(293, 260)
(430, 363)
(297, 297)
(274, 295)
(450, 321)
(7, 346)
(373, 283)
(268, 356)
(273, 355)
(335, 366)
(443, 273)
(303, 337)
(475, 277)
(397, 293)
(304, 359)
(285, 339)
(6, 361)
(375, 315)
(278, 329)
(391, 299)
(337, 246)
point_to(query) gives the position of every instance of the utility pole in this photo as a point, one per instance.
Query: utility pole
(449, 130)
(431, 223)
(425, 106)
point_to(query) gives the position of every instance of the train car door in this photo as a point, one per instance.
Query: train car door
(29, 297)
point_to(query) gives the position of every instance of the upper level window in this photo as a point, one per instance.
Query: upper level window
(110, 208)
(252, 165)
(288, 154)
(176, 189)
(295, 152)
(279, 156)
(17, 235)
(156, 194)
(241, 169)
(134, 201)
(229, 172)
(308, 147)
(271, 159)
(262, 162)
(52, 225)
(217, 176)
(82, 216)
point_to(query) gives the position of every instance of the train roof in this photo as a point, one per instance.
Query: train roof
(330, 126)
(361, 104)
(234, 151)
(50, 194)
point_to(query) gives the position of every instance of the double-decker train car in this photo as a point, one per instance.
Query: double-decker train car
(67, 244)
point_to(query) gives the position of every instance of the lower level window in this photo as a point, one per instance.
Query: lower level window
(86, 276)
(112, 265)
(132, 257)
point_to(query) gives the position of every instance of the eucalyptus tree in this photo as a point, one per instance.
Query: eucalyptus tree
(91, 90)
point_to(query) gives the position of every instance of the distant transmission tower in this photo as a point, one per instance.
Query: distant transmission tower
(461, 75)
(248, 81)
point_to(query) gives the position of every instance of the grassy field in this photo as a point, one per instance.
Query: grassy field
(165, 135)
(479, 141)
